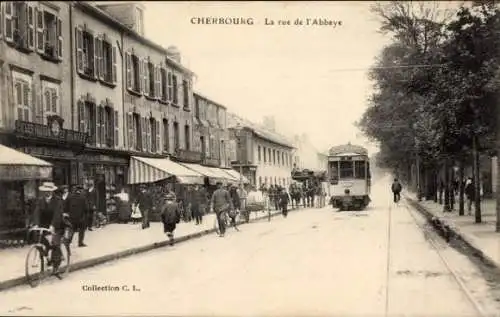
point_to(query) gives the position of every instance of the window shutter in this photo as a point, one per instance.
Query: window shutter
(59, 40)
(143, 132)
(145, 74)
(81, 116)
(96, 57)
(148, 135)
(40, 28)
(26, 101)
(8, 21)
(100, 54)
(116, 123)
(30, 14)
(98, 126)
(79, 49)
(158, 136)
(130, 129)
(158, 82)
(169, 86)
(114, 67)
(128, 67)
(54, 101)
(140, 84)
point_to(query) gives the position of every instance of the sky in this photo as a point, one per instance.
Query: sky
(312, 79)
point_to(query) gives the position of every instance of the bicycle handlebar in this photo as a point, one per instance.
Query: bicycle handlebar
(40, 230)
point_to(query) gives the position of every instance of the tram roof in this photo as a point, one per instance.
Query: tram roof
(347, 150)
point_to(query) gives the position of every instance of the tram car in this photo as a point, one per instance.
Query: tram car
(349, 177)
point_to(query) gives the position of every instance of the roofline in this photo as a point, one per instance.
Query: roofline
(106, 18)
(195, 93)
(263, 138)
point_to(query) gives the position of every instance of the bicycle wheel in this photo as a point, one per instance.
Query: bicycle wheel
(34, 265)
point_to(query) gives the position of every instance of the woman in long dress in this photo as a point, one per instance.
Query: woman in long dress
(124, 206)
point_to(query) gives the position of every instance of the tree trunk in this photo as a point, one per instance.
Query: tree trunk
(497, 192)
(435, 187)
(452, 188)
(461, 200)
(477, 183)
(446, 206)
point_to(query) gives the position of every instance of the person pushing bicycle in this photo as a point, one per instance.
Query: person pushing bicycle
(49, 213)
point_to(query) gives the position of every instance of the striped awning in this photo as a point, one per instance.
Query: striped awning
(149, 170)
(237, 175)
(223, 175)
(17, 166)
(205, 171)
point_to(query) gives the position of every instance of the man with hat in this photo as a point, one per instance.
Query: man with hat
(170, 216)
(77, 208)
(48, 213)
(220, 203)
(145, 203)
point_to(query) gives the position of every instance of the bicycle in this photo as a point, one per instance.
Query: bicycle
(225, 218)
(38, 257)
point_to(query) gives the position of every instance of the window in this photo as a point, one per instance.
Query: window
(134, 68)
(138, 140)
(146, 134)
(187, 137)
(222, 151)
(346, 169)
(145, 77)
(170, 86)
(106, 60)
(283, 158)
(333, 170)
(155, 134)
(87, 114)
(278, 157)
(166, 136)
(185, 92)
(260, 180)
(116, 124)
(264, 152)
(258, 153)
(270, 156)
(19, 24)
(23, 98)
(175, 99)
(197, 108)
(359, 169)
(176, 136)
(203, 146)
(50, 99)
(163, 84)
(86, 62)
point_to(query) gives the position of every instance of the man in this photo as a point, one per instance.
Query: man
(145, 203)
(77, 208)
(48, 213)
(283, 201)
(242, 193)
(200, 203)
(170, 216)
(220, 204)
(396, 188)
(470, 193)
(92, 200)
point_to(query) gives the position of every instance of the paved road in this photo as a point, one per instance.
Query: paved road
(315, 262)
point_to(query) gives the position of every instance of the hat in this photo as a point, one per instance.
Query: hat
(170, 197)
(47, 187)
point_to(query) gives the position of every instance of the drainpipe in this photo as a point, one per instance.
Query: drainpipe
(72, 71)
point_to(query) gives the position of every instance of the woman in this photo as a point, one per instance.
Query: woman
(123, 205)
(170, 216)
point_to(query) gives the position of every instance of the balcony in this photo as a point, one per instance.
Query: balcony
(188, 155)
(53, 132)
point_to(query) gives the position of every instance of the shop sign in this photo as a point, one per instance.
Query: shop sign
(102, 158)
(13, 173)
(47, 151)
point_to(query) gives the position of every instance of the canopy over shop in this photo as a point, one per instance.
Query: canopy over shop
(234, 174)
(214, 174)
(150, 170)
(20, 174)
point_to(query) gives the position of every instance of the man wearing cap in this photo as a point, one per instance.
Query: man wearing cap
(48, 213)
(220, 203)
(170, 216)
(92, 200)
(77, 208)
(145, 203)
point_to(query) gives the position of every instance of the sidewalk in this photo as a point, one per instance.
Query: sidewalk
(481, 237)
(106, 244)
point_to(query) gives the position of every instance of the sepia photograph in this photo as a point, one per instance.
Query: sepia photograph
(250, 158)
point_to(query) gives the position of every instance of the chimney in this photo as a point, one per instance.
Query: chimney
(174, 53)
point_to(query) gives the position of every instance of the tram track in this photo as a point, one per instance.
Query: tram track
(433, 239)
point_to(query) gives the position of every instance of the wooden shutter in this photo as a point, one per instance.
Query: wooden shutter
(130, 130)
(145, 77)
(128, 67)
(54, 98)
(8, 21)
(40, 29)
(114, 68)
(140, 84)
(169, 86)
(81, 116)
(148, 135)
(59, 39)
(158, 136)
(96, 57)
(79, 49)
(157, 82)
(116, 124)
(143, 132)
(30, 36)
(100, 54)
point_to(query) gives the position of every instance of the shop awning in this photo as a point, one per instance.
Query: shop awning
(212, 175)
(236, 175)
(17, 166)
(223, 175)
(149, 170)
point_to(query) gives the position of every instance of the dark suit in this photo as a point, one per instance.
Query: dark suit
(48, 214)
(78, 209)
(92, 200)
(145, 205)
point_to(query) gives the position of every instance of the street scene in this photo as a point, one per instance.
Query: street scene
(258, 158)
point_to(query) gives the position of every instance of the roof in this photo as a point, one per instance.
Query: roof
(197, 94)
(259, 130)
(107, 18)
(348, 148)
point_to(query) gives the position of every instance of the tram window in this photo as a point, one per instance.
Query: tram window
(334, 170)
(359, 169)
(346, 169)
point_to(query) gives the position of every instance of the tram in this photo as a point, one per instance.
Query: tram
(349, 178)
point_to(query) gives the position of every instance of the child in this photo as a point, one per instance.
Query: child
(136, 214)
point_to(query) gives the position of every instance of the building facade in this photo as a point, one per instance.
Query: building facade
(211, 135)
(306, 156)
(36, 83)
(263, 156)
